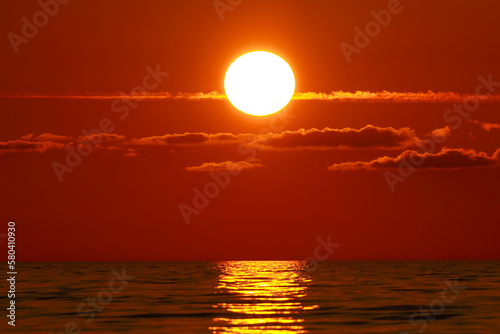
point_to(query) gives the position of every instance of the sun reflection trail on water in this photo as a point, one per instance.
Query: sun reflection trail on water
(264, 297)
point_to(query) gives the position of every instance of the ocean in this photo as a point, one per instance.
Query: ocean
(258, 297)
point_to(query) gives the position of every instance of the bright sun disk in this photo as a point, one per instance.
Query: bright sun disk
(259, 83)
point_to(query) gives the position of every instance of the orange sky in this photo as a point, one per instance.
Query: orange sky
(320, 167)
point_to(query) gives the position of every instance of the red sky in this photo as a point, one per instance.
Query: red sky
(321, 171)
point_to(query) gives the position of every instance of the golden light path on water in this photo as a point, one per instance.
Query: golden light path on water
(268, 297)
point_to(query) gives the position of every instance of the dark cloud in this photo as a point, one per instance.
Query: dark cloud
(225, 165)
(395, 97)
(368, 137)
(188, 139)
(47, 137)
(447, 158)
(440, 133)
(484, 125)
(16, 146)
(358, 96)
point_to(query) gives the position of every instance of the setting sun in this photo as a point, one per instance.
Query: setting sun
(259, 83)
(250, 167)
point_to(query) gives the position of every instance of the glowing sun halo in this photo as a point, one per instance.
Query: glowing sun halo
(259, 83)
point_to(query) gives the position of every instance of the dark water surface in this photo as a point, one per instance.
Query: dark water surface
(258, 297)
